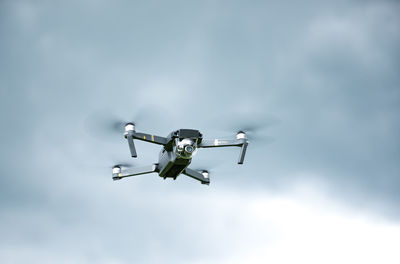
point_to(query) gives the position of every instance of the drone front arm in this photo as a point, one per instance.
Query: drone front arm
(131, 134)
(149, 138)
(217, 143)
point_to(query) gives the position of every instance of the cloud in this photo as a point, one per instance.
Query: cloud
(326, 74)
(222, 226)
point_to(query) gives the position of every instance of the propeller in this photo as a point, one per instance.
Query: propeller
(106, 125)
(122, 165)
(208, 166)
(254, 125)
(254, 129)
(116, 169)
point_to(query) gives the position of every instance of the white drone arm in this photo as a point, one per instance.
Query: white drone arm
(241, 141)
(131, 134)
(200, 176)
(118, 174)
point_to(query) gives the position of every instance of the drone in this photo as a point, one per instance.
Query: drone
(178, 149)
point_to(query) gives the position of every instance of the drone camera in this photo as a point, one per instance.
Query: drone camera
(189, 149)
(185, 148)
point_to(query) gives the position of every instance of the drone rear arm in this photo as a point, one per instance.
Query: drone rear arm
(118, 175)
(217, 143)
(196, 175)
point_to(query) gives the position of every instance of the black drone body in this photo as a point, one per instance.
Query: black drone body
(177, 152)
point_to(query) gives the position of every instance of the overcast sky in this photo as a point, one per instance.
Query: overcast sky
(320, 183)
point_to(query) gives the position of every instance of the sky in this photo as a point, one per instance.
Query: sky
(320, 183)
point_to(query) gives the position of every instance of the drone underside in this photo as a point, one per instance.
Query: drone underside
(177, 152)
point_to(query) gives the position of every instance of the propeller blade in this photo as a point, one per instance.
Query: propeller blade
(106, 125)
(255, 125)
(207, 165)
(122, 165)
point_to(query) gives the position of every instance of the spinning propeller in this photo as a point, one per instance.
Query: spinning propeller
(253, 126)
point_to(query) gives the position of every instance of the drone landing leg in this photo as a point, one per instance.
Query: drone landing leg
(196, 175)
(135, 172)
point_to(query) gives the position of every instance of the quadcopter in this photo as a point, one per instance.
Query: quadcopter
(176, 154)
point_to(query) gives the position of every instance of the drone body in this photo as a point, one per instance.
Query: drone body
(177, 152)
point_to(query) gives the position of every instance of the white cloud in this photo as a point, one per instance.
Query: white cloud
(291, 229)
(212, 225)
